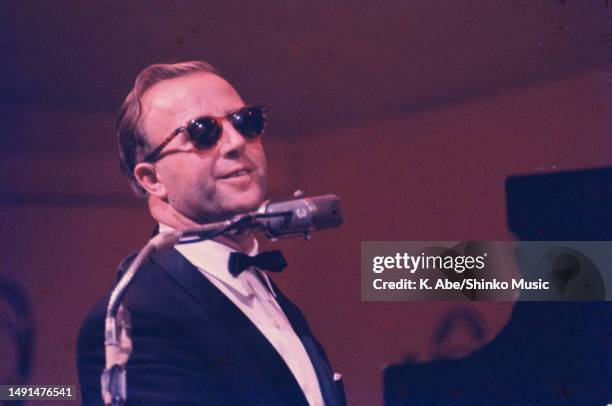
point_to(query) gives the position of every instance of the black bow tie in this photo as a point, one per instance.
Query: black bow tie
(270, 261)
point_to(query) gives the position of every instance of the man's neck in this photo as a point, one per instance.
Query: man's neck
(167, 215)
(243, 243)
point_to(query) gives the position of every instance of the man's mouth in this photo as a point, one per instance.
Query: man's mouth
(236, 174)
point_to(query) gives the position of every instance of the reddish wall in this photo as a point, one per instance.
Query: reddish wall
(430, 175)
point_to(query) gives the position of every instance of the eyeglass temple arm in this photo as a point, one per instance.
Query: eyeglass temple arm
(153, 155)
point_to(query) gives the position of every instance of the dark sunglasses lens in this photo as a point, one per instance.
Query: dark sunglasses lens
(204, 132)
(250, 121)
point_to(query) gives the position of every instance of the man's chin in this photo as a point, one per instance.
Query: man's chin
(242, 204)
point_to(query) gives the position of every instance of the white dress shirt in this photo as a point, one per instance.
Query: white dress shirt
(258, 303)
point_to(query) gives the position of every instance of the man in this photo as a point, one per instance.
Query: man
(202, 334)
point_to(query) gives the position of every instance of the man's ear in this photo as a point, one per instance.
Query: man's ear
(146, 175)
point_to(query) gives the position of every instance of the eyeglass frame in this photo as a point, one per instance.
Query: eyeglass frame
(155, 155)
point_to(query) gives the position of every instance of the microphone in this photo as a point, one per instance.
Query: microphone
(284, 218)
(298, 216)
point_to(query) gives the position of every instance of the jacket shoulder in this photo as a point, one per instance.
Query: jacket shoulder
(92, 328)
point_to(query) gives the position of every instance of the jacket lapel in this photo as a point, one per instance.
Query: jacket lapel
(226, 313)
(317, 356)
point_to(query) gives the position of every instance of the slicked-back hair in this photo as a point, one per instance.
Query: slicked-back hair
(131, 138)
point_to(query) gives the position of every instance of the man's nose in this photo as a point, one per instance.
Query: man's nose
(232, 143)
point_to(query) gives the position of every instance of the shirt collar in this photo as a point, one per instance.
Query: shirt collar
(212, 257)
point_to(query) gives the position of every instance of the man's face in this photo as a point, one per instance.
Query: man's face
(198, 183)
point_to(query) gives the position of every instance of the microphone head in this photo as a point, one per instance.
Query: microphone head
(303, 215)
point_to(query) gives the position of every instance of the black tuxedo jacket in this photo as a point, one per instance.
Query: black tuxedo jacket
(192, 345)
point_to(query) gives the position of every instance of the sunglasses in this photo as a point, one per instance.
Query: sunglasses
(205, 132)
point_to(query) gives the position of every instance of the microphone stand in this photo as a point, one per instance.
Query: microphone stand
(117, 328)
